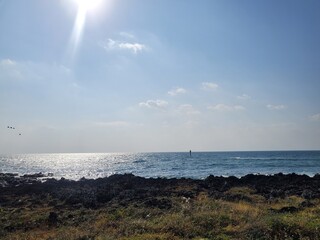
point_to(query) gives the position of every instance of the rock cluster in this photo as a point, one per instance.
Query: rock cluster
(127, 188)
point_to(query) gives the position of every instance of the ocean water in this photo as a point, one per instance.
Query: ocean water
(180, 164)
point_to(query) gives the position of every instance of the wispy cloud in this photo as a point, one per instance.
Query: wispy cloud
(127, 35)
(133, 47)
(155, 104)
(276, 107)
(7, 62)
(226, 108)
(209, 86)
(177, 91)
(26, 68)
(10, 70)
(315, 117)
(188, 109)
(244, 97)
(28, 72)
(113, 124)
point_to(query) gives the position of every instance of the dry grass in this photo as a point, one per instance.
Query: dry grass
(198, 218)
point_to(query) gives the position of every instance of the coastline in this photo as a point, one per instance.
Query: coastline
(267, 185)
(51, 199)
(169, 165)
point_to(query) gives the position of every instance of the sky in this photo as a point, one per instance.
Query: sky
(159, 75)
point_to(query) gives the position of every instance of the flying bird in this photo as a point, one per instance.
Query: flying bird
(13, 128)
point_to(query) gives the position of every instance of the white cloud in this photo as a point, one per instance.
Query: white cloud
(188, 109)
(209, 86)
(315, 117)
(226, 108)
(244, 97)
(276, 107)
(155, 104)
(134, 47)
(177, 91)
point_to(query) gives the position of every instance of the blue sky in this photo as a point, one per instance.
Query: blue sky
(160, 75)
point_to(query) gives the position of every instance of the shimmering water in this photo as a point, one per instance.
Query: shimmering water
(199, 165)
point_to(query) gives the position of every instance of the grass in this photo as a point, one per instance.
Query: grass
(251, 217)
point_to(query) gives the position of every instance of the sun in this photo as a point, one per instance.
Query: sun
(84, 8)
(87, 5)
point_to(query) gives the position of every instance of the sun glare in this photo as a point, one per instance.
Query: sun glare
(87, 5)
(84, 8)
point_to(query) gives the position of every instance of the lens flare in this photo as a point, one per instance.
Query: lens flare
(88, 4)
(84, 6)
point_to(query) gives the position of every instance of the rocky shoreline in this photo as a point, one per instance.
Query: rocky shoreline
(94, 193)
(37, 206)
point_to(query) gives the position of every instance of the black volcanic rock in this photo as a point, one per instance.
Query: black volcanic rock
(126, 188)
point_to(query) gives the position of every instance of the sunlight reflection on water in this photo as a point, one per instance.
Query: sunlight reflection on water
(200, 165)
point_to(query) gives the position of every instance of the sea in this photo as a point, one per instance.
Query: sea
(198, 165)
